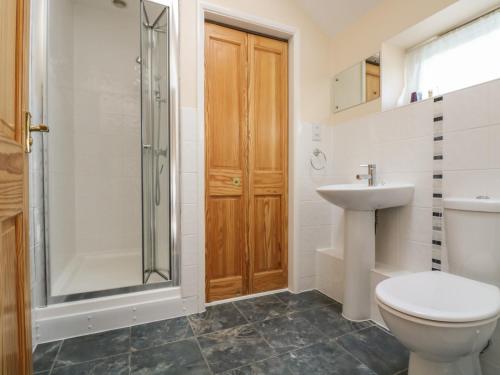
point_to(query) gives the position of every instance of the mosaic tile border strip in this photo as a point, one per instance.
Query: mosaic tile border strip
(437, 184)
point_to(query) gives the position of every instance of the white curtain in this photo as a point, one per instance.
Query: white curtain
(464, 57)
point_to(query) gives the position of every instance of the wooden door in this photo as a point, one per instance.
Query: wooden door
(268, 163)
(226, 187)
(15, 331)
(246, 163)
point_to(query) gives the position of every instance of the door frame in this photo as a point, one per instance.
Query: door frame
(207, 11)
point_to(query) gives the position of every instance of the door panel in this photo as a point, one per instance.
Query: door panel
(268, 163)
(226, 171)
(15, 309)
(268, 246)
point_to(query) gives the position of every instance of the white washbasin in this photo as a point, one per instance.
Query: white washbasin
(367, 198)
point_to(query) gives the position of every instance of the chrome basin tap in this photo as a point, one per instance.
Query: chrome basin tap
(371, 176)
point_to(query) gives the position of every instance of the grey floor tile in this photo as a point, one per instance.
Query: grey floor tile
(330, 321)
(305, 300)
(289, 332)
(118, 365)
(180, 357)
(216, 318)
(44, 355)
(262, 308)
(233, 348)
(324, 358)
(159, 333)
(271, 366)
(377, 349)
(95, 346)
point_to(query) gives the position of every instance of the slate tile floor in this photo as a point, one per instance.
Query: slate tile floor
(277, 334)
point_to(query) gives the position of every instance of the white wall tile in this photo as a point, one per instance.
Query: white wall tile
(494, 146)
(189, 281)
(387, 239)
(189, 188)
(466, 149)
(470, 183)
(315, 213)
(188, 157)
(189, 250)
(416, 224)
(188, 124)
(466, 109)
(417, 257)
(189, 219)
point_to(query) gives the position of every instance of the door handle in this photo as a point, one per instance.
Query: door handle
(29, 128)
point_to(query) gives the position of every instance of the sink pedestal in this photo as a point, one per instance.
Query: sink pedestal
(359, 260)
(360, 203)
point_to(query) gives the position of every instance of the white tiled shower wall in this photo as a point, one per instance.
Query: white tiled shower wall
(400, 142)
(107, 129)
(94, 147)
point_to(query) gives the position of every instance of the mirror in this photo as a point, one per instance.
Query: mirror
(357, 85)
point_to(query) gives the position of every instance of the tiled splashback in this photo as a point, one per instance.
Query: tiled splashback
(401, 143)
(319, 223)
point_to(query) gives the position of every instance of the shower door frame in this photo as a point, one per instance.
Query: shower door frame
(174, 163)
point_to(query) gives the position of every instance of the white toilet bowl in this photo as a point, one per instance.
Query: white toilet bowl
(443, 319)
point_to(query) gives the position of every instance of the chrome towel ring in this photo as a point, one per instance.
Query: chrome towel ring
(318, 160)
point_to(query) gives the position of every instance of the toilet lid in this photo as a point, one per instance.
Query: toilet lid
(440, 296)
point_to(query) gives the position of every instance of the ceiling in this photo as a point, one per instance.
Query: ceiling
(335, 15)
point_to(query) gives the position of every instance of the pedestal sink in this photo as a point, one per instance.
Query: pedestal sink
(360, 203)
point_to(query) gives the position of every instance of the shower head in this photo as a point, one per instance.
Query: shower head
(119, 3)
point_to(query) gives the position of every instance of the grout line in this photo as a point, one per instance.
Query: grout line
(307, 346)
(130, 351)
(57, 355)
(241, 312)
(247, 297)
(203, 355)
(356, 358)
(92, 360)
(400, 372)
(274, 356)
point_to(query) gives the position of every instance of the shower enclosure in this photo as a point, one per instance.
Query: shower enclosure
(109, 166)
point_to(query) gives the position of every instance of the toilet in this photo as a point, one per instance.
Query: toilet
(447, 319)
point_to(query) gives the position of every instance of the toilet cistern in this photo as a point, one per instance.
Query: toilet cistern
(371, 176)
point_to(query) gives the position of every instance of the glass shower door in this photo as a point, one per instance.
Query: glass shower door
(155, 142)
(109, 165)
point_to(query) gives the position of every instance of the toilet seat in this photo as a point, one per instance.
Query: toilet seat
(440, 296)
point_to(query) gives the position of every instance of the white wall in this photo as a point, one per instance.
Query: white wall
(61, 188)
(365, 36)
(107, 128)
(400, 142)
(314, 54)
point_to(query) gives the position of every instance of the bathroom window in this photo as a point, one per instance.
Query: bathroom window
(466, 56)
